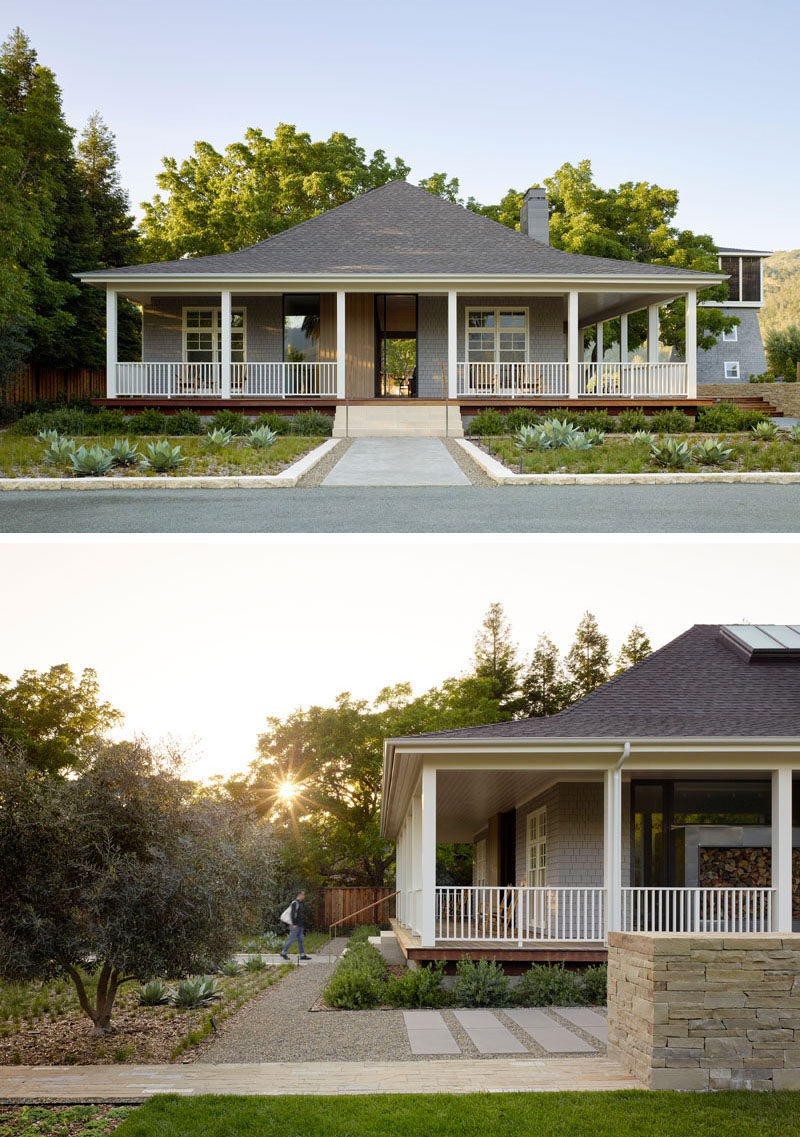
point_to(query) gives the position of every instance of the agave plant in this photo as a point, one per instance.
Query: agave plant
(154, 994)
(793, 434)
(124, 452)
(646, 436)
(229, 967)
(162, 456)
(528, 438)
(91, 463)
(595, 437)
(262, 437)
(670, 453)
(196, 992)
(712, 453)
(217, 438)
(764, 431)
(48, 436)
(557, 431)
(60, 449)
(578, 441)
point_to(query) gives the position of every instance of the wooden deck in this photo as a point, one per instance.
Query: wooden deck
(328, 404)
(507, 952)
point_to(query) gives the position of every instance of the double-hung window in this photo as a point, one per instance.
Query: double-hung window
(731, 369)
(536, 853)
(202, 335)
(496, 335)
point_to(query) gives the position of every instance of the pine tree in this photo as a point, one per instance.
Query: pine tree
(495, 657)
(588, 660)
(636, 648)
(545, 687)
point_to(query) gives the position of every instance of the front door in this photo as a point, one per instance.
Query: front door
(395, 345)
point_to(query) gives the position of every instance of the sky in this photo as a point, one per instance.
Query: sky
(202, 639)
(701, 97)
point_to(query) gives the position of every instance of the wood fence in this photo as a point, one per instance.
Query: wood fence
(333, 904)
(38, 382)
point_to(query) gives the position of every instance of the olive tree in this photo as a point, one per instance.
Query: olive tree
(123, 871)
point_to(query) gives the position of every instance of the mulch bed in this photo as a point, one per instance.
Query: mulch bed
(61, 1121)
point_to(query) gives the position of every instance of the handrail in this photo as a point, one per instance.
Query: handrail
(358, 911)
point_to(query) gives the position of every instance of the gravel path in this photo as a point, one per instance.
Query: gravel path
(279, 1027)
(476, 475)
(317, 474)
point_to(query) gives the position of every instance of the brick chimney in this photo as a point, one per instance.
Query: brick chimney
(533, 216)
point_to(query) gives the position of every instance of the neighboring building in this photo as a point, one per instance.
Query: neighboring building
(663, 801)
(739, 354)
(396, 295)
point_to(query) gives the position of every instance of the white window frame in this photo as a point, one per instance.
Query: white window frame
(216, 327)
(515, 308)
(536, 840)
(481, 864)
(731, 363)
(731, 335)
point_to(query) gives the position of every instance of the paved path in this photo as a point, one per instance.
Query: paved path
(396, 462)
(136, 1083)
(458, 509)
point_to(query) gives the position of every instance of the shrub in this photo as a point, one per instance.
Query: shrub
(670, 453)
(261, 437)
(712, 453)
(8, 413)
(751, 419)
(593, 985)
(359, 981)
(481, 983)
(279, 423)
(519, 417)
(420, 988)
(486, 423)
(91, 463)
(764, 377)
(764, 431)
(671, 422)
(149, 421)
(162, 456)
(362, 932)
(154, 994)
(106, 421)
(65, 421)
(783, 352)
(547, 985)
(184, 422)
(598, 420)
(196, 993)
(632, 420)
(233, 421)
(312, 422)
(124, 453)
(726, 417)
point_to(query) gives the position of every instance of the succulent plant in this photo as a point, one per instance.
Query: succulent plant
(229, 967)
(764, 431)
(793, 433)
(154, 994)
(60, 450)
(217, 438)
(262, 437)
(557, 432)
(196, 992)
(710, 452)
(528, 438)
(48, 436)
(92, 462)
(162, 456)
(670, 453)
(578, 441)
(642, 436)
(595, 437)
(124, 452)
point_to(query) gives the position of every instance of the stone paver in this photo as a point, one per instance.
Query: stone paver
(588, 1020)
(488, 1034)
(136, 1083)
(396, 462)
(428, 1033)
(549, 1034)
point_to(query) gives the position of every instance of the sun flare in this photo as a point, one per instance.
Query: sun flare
(287, 791)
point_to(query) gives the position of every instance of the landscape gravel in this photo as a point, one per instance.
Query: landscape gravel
(476, 475)
(317, 474)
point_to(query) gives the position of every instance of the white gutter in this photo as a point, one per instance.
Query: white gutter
(626, 753)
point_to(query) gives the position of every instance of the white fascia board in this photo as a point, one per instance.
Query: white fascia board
(745, 252)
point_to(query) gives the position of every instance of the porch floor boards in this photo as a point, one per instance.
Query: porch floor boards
(504, 951)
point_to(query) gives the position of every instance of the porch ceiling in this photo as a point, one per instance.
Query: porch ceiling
(466, 799)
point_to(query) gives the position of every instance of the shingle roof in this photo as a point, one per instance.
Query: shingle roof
(693, 687)
(402, 229)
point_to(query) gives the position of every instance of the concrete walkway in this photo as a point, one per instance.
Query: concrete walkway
(136, 1083)
(396, 462)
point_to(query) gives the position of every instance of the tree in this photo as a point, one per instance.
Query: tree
(495, 658)
(218, 202)
(781, 291)
(546, 690)
(52, 718)
(636, 648)
(783, 351)
(588, 660)
(122, 871)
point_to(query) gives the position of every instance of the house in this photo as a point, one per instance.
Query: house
(396, 297)
(739, 353)
(662, 802)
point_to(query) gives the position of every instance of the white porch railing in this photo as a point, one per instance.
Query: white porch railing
(511, 380)
(632, 380)
(697, 909)
(274, 380)
(520, 915)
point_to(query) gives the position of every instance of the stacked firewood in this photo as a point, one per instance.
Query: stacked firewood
(745, 868)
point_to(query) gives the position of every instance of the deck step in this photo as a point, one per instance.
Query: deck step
(752, 403)
(384, 420)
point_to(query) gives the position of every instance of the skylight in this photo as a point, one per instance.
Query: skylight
(763, 643)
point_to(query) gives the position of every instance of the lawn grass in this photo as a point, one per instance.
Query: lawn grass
(614, 1114)
(619, 456)
(61, 1121)
(274, 941)
(21, 456)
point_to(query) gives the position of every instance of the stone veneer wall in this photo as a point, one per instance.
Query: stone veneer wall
(705, 1012)
(784, 396)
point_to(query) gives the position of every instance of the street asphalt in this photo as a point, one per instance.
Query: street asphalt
(700, 508)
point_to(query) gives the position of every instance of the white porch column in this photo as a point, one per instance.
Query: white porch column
(612, 843)
(623, 338)
(416, 853)
(341, 361)
(782, 849)
(691, 343)
(225, 327)
(599, 341)
(572, 343)
(452, 344)
(111, 343)
(428, 856)
(652, 333)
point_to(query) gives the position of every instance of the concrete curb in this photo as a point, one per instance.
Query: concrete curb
(503, 476)
(285, 480)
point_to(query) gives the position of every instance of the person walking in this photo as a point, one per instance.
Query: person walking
(297, 920)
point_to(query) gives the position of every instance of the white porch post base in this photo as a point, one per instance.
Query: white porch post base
(341, 363)
(782, 849)
(572, 344)
(612, 846)
(452, 344)
(428, 857)
(225, 328)
(691, 344)
(111, 343)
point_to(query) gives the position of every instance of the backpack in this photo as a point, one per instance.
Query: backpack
(286, 915)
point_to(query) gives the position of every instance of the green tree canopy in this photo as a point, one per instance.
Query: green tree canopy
(545, 688)
(495, 658)
(636, 648)
(588, 659)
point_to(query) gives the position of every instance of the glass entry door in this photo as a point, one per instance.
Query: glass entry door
(396, 345)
